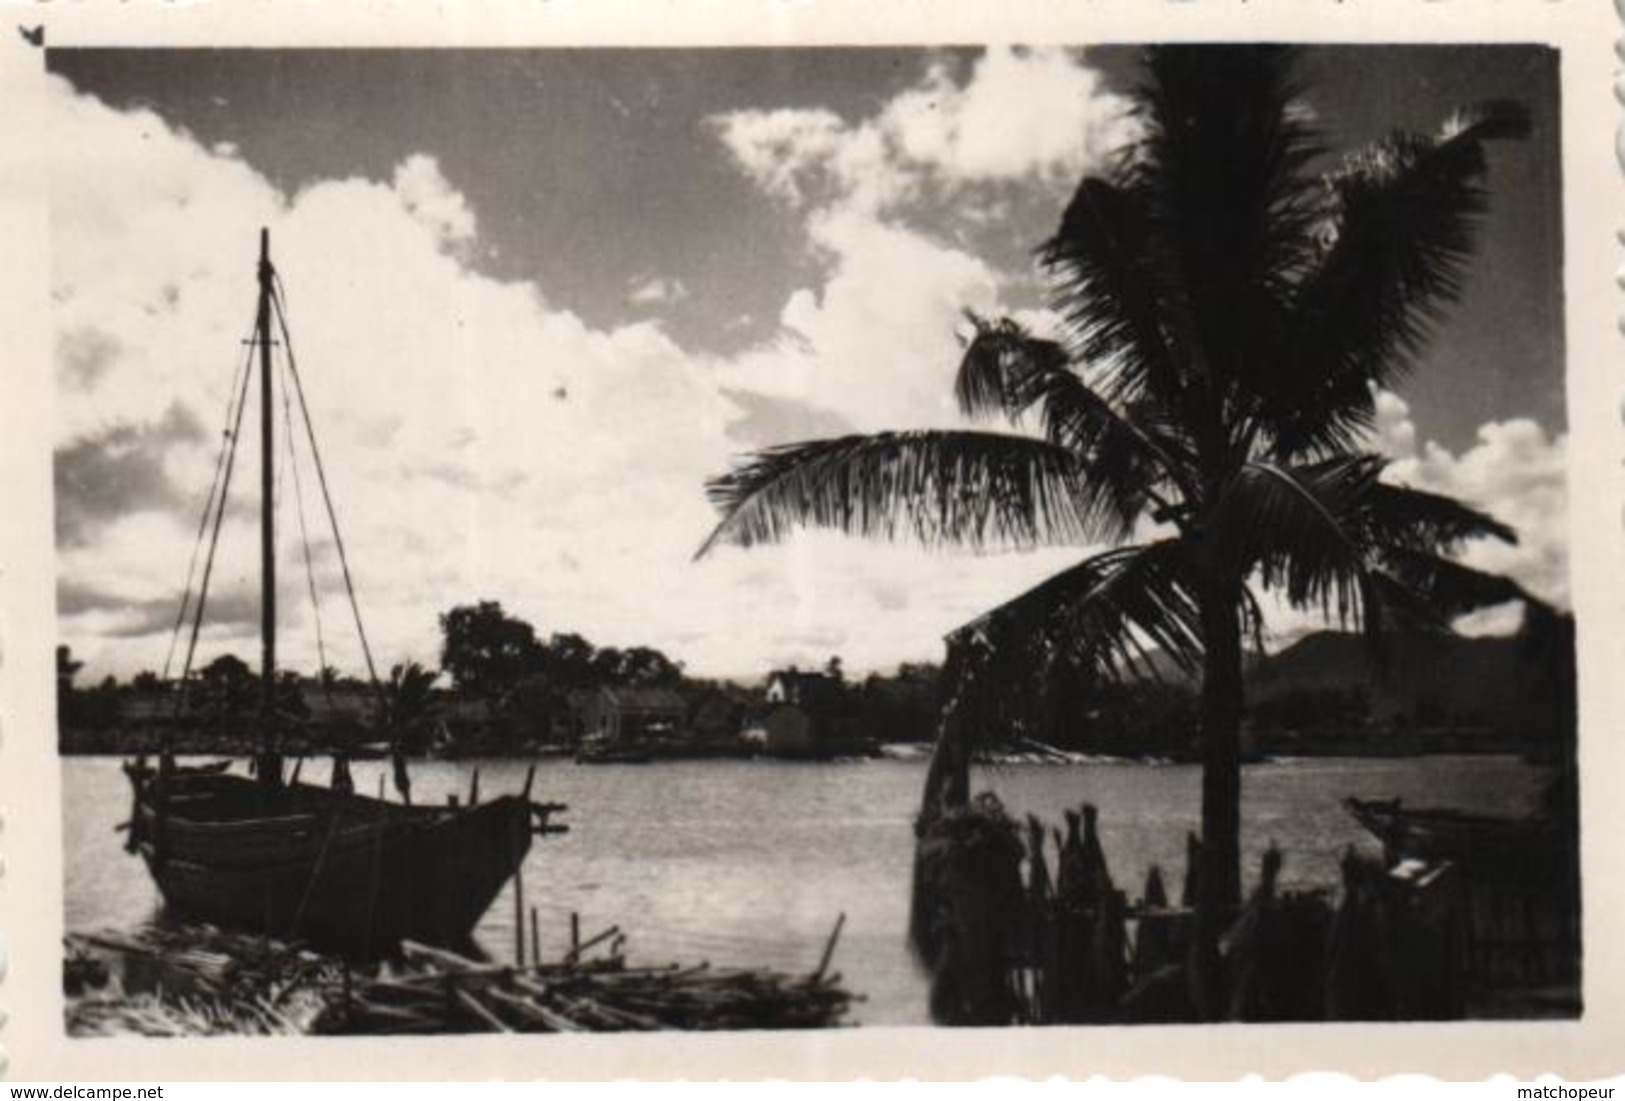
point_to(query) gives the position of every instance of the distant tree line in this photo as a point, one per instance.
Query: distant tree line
(510, 687)
(489, 654)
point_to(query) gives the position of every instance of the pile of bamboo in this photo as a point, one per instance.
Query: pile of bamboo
(434, 991)
(189, 982)
(198, 981)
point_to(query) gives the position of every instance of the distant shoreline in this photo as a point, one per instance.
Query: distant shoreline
(899, 753)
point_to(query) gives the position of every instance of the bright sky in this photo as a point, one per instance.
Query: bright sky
(539, 297)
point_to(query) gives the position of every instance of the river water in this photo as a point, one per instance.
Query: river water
(750, 862)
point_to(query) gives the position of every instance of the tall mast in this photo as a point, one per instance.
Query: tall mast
(267, 499)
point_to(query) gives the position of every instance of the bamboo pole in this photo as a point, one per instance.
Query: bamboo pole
(451, 961)
(519, 916)
(529, 1010)
(829, 947)
(472, 1004)
(591, 942)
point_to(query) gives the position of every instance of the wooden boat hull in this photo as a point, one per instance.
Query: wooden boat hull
(1524, 850)
(339, 872)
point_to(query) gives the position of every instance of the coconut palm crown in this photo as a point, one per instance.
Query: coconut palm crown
(1230, 308)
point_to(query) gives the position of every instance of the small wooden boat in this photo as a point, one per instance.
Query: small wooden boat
(269, 855)
(1487, 848)
(595, 752)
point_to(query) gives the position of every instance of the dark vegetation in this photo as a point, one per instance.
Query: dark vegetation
(1320, 696)
(1030, 934)
(501, 689)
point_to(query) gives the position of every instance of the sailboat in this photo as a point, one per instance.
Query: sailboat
(323, 866)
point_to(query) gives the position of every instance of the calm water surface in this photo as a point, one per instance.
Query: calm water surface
(749, 862)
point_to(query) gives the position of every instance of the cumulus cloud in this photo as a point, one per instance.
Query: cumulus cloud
(788, 150)
(765, 421)
(480, 441)
(943, 134)
(977, 131)
(119, 470)
(1515, 470)
(655, 291)
(428, 197)
(873, 342)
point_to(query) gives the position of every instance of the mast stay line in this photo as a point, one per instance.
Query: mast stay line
(228, 443)
(321, 477)
(304, 541)
(214, 540)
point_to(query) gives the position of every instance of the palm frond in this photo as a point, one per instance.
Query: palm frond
(1332, 534)
(1401, 516)
(1008, 371)
(1441, 588)
(1225, 173)
(1292, 526)
(1113, 283)
(979, 489)
(1109, 614)
(1000, 358)
(1252, 618)
(1400, 226)
(1489, 120)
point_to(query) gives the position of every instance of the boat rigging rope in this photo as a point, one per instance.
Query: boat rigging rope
(278, 304)
(227, 441)
(304, 542)
(214, 537)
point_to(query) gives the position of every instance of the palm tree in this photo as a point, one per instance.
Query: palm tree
(408, 698)
(408, 705)
(1230, 307)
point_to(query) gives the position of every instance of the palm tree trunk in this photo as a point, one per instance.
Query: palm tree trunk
(947, 783)
(1219, 886)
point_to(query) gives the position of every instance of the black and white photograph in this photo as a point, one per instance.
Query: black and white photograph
(817, 536)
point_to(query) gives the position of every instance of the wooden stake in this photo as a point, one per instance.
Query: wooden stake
(829, 948)
(575, 934)
(593, 942)
(519, 916)
(535, 940)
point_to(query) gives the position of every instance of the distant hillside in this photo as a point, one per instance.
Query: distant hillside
(1424, 677)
